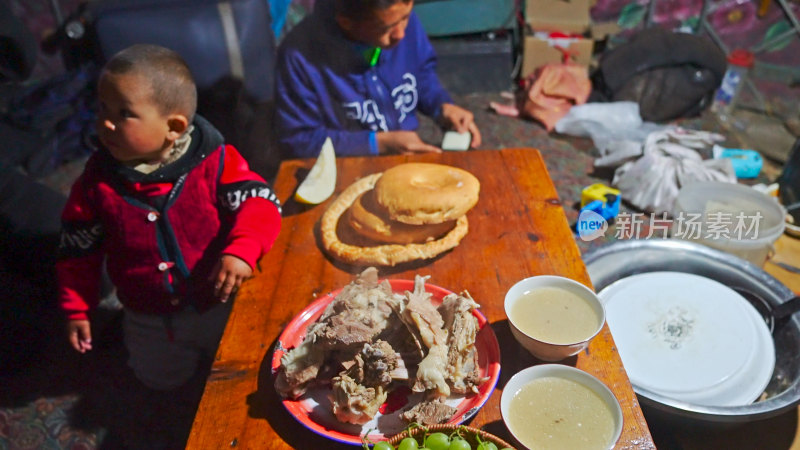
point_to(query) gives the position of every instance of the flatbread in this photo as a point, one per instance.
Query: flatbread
(385, 255)
(368, 219)
(426, 193)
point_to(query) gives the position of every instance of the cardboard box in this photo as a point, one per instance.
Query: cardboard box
(602, 30)
(569, 16)
(538, 52)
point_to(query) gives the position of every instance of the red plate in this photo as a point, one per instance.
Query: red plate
(313, 409)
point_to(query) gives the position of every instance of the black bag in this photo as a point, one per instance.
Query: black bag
(18, 47)
(49, 122)
(221, 41)
(670, 75)
(30, 222)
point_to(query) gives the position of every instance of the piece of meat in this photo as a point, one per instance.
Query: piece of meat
(349, 330)
(298, 370)
(300, 365)
(429, 412)
(360, 390)
(463, 372)
(424, 321)
(364, 298)
(407, 346)
(432, 372)
(375, 364)
(420, 311)
(353, 402)
(356, 316)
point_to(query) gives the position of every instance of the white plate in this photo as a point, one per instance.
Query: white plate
(689, 338)
(747, 385)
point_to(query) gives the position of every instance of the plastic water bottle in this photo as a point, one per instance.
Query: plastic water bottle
(739, 63)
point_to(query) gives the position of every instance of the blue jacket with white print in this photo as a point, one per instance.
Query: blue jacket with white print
(327, 87)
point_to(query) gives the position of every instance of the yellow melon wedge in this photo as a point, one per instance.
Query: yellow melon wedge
(321, 180)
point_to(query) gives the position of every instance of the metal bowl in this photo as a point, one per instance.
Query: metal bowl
(619, 260)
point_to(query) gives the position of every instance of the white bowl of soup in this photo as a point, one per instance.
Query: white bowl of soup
(554, 406)
(553, 317)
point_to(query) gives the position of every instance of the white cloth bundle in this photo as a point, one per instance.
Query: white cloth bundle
(668, 163)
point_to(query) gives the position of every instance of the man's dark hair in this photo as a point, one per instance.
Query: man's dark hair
(359, 10)
(174, 90)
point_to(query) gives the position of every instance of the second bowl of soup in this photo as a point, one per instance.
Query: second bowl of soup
(553, 406)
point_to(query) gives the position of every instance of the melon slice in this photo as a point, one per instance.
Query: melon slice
(321, 180)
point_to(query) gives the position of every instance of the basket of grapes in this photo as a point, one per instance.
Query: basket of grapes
(441, 437)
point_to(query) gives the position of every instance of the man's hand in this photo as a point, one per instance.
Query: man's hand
(228, 275)
(462, 121)
(80, 335)
(403, 142)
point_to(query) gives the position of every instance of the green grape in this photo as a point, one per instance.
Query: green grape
(437, 441)
(408, 443)
(383, 445)
(487, 446)
(458, 443)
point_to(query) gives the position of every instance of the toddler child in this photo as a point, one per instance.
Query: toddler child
(174, 213)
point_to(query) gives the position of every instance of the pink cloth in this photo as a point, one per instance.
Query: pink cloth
(552, 90)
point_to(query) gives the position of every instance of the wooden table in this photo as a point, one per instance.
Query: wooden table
(517, 229)
(787, 250)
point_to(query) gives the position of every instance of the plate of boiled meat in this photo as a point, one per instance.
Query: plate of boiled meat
(377, 355)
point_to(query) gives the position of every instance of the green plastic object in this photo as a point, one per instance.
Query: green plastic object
(375, 55)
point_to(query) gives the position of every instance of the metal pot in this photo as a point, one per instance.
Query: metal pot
(619, 260)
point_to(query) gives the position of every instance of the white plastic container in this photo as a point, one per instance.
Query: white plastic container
(730, 217)
(740, 62)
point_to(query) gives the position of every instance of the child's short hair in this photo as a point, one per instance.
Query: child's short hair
(174, 90)
(359, 10)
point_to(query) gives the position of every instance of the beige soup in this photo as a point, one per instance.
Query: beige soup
(556, 413)
(555, 315)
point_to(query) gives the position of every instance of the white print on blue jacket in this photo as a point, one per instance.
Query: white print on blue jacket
(405, 96)
(404, 99)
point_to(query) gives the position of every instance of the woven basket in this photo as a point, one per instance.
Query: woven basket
(468, 433)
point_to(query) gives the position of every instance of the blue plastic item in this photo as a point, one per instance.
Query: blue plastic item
(746, 163)
(278, 10)
(608, 209)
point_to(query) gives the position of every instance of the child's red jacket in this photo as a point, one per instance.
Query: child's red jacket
(161, 234)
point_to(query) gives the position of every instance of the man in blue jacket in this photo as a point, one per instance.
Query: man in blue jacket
(357, 71)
